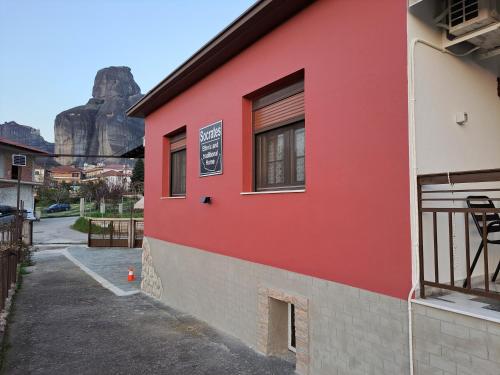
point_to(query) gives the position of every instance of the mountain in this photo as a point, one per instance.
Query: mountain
(101, 126)
(25, 135)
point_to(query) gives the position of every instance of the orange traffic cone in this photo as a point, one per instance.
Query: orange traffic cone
(131, 276)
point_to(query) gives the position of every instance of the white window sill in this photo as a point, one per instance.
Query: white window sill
(272, 192)
(176, 197)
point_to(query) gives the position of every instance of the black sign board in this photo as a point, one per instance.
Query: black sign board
(211, 149)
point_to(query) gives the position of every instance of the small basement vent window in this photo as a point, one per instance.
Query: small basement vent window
(291, 328)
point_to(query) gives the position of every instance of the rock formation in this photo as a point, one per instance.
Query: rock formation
(25, 135)
(101, 126)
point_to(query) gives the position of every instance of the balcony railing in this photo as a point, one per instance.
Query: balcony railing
(447, 204)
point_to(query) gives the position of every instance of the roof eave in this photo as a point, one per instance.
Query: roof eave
(257, 21)
(26, 149)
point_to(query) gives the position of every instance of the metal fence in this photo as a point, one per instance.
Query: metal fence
(115, 232)
(10, 256)
(453, 219)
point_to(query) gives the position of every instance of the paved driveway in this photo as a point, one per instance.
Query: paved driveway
(64, 322)
(110, 264)
(57, 231)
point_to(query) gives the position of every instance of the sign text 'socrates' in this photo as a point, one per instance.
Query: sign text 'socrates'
(211, 149)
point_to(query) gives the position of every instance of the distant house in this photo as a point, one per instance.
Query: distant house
(113, 174)
(116, 178)
(92, 172)
(124, 168)
(66, 173)
(39, 174)
(9, 174)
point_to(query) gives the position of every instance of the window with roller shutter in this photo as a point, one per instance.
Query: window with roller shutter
(279, 139)
(178, 164)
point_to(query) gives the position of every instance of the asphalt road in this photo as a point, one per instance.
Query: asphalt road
(64, 322)
(57, 231)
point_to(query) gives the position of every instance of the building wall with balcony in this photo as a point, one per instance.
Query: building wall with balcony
(453, 336)
(446, 86)
(8, 184)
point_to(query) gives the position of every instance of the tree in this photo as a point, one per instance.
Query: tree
(100, 190)
(138, 172)
(53, 193)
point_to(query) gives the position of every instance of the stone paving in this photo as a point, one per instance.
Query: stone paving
(64, 322)
(111, 263)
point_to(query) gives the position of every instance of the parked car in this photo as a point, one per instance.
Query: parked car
(29, 215)
(57, 207)
(7, 214)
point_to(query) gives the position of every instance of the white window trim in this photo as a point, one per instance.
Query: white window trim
(290, 347)
(272, 192)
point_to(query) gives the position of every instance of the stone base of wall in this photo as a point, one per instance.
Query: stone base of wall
(448, 343)
(340, 329)
(151, 282)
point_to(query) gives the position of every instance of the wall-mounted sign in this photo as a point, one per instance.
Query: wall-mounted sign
(211, 149)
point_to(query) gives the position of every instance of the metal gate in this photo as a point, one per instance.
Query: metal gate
(115, 233)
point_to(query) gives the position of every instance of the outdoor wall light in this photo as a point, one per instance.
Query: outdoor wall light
(461, 118)
(206, 200)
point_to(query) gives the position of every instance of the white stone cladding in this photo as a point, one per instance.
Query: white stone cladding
(340, 329)
(151, 282)
(449, 343)
(350, 331)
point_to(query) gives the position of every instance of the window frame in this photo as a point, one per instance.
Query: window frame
(289, 158)
(287, 127)
(172, 139)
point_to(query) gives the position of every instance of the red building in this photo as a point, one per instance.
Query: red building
(278, 184)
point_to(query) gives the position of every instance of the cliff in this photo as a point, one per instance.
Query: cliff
(101, 127)
(25, 135)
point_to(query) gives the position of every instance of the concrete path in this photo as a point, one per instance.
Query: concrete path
(64, 322)
(57, 231)
(110, 264)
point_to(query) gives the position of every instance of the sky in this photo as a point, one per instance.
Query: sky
(50, 50)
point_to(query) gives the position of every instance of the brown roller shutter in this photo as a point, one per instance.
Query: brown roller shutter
(178, 142)
(279, 113)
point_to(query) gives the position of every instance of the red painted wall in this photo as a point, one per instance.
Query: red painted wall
(352, 224)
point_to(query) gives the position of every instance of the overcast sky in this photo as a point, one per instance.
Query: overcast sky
(50, 50)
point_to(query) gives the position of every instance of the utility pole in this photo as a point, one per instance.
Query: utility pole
(18, 206)
(19, 161)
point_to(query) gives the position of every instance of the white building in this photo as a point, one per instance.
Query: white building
(9, 174)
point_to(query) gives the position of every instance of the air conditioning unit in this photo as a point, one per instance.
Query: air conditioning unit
(465, 16)
(19, 160)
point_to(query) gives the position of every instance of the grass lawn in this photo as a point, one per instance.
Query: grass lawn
(114, 214)
(90, 211)
(82, 225)
(73, 211)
